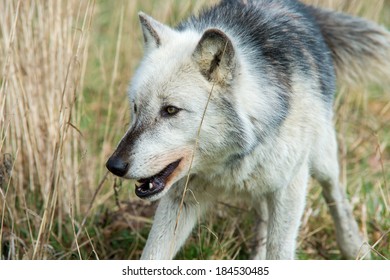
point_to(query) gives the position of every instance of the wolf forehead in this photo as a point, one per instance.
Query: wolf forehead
(167, 68)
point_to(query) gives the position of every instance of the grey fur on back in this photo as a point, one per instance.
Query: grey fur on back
(284, 34)
(359, 48)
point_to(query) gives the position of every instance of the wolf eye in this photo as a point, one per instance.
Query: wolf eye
(169, 111)
(135, 108)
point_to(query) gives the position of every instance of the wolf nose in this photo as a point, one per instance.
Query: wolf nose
(117, 166)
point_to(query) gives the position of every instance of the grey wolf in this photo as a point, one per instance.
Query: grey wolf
(237, 102)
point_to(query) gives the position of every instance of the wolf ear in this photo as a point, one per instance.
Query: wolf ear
(154, 32)
(215, 56)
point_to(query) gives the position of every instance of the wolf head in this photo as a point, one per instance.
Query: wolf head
(181, 73)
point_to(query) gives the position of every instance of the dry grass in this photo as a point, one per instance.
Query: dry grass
(44, 50)
(65, 66)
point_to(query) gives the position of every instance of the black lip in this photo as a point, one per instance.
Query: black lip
(158, 181)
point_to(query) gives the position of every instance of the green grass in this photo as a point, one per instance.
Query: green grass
(66, 192)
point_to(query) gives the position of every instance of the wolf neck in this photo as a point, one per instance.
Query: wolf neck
(236, 173)
(255, 108)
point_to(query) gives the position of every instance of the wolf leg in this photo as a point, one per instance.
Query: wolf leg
(326, 171)
(285, 208)
(259, 250)
(172, 225)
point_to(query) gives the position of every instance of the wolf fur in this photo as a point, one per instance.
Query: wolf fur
(242, 95)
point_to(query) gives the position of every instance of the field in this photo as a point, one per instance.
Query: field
(65, 68)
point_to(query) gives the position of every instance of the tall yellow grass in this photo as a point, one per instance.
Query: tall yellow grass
(65, 67)
(44, 54)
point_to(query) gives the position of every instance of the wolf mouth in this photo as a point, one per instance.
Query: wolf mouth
(155, 184)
